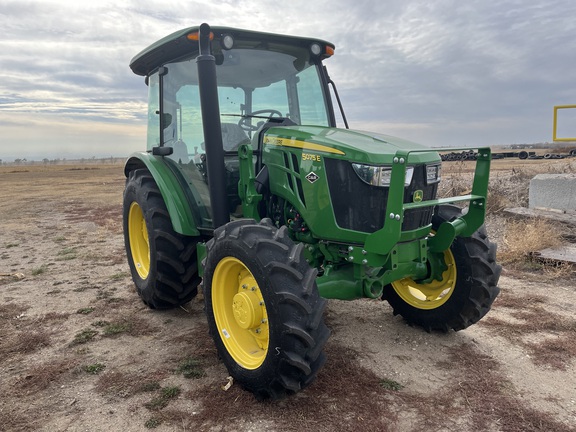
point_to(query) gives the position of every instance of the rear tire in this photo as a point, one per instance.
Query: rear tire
(264, 310)
(163, 263)
(467, 289)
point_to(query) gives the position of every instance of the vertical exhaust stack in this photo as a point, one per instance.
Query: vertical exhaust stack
(212, 129)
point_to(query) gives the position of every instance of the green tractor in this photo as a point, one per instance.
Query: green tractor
(249, 190)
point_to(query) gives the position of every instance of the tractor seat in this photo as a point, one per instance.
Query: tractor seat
(233, 136)
(180, 153)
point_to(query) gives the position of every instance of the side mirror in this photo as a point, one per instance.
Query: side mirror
(162, 151)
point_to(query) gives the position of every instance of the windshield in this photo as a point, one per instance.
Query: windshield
(253, 86)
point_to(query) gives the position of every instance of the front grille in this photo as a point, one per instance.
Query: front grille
(416, 218)
(293, 175)
(361, 207)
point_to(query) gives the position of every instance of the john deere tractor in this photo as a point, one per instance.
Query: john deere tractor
(249, 190)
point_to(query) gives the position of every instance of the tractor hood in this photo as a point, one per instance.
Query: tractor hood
(352, 145)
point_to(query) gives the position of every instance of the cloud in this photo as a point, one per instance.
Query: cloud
(441, 71)
(469, 63)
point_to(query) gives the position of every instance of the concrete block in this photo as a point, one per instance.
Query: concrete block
(562, 253)
(553, 191)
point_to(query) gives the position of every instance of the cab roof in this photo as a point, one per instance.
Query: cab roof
(183, 43)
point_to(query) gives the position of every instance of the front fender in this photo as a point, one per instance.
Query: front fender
(171, 188)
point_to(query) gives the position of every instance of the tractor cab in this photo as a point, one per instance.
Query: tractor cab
(263, 80)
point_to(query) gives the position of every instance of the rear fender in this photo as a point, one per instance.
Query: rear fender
(171, 188)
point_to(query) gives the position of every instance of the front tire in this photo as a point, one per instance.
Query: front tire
(163, 263)
(466, 290)
(263, 307)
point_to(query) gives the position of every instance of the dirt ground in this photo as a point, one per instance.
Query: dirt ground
(80, 352)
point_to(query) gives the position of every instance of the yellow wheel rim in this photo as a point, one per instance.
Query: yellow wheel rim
(139, 243)
(431, 295)
(240, 313)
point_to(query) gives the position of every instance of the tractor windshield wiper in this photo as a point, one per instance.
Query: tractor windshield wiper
(267, 114)
(248, 116)
(274, 116)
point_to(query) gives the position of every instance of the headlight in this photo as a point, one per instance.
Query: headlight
(227, 42)
(379, 175)
(433, 173)
(316, 49)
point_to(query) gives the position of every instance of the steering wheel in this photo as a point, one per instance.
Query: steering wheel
(245, 123)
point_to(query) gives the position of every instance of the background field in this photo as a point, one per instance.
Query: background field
(79, 351)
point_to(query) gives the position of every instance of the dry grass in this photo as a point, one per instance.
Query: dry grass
(556, 353)
(22, 335)
(108, 217)
(198, 338)
(24, 342)
(41, 376)
(131, 325)
(125, 384)
(481, 399)
(509, 180)
(344, 390)
(508, 190)
(14, 421)
(119, 383)
(522, 238)
(163, 397)
(517, 239)
(456, 180)
(490, 399)
(10, 311)
(548, 337)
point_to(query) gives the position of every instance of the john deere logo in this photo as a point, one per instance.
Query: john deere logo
(418, 196)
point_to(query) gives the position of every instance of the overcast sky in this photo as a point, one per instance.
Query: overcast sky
(453, 72)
